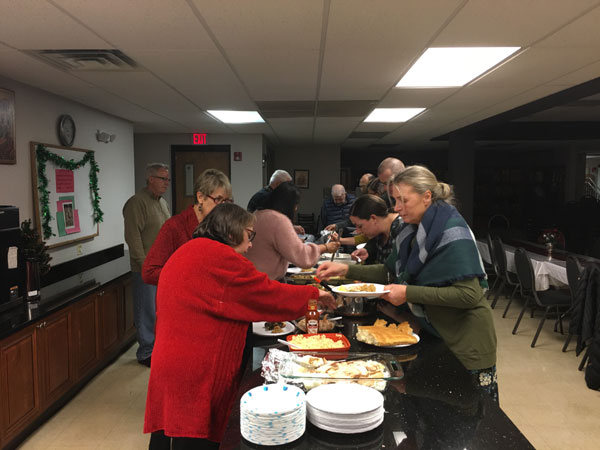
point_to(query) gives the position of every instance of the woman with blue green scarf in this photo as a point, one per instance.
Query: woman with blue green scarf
(436, 269)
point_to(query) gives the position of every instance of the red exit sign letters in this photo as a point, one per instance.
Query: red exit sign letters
(199, 138)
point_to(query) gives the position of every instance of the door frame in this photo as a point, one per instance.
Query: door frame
(193, 149)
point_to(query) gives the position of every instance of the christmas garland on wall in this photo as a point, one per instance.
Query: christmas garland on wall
(43, 156)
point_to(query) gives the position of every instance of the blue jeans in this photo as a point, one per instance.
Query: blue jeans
(144, 315)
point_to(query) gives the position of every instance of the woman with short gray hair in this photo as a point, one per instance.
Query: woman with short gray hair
(211, 188)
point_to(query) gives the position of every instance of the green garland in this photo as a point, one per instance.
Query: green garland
(43, 156)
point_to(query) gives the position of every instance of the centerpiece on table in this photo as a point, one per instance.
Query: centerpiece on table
(551, 237)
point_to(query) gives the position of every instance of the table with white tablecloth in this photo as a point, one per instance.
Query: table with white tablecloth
(548, 272)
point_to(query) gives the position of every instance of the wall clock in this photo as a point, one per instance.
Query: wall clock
(66, 130)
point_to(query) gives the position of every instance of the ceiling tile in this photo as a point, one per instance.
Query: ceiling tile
(583, 32)
(203, 76)
(142, 24)
(333, 130)
(513, 23)
(264, 24)
(290, 130)
(34, 24)
(415, 98)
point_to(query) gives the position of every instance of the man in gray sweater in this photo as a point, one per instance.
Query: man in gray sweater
(144, 214)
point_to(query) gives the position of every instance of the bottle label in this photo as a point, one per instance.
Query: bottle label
(312, 326)
(32, 293)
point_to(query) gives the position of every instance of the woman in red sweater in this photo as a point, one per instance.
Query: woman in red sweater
(207, 296)
(211, 188)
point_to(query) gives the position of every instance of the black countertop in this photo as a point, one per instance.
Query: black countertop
(61, 294)
(435, 406)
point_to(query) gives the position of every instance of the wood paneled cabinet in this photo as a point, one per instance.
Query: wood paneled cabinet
(44, 362)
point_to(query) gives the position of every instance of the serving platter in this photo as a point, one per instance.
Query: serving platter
(300, 270)
(415, 335)
(379, 290)
(259, 329)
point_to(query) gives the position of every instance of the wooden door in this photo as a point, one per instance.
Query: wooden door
(85, 340)
(188, 162)
(55, 357)
(128, 327)
(18, 382)
(109, 308)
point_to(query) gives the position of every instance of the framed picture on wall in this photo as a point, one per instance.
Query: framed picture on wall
(8, 154)
(301, 178)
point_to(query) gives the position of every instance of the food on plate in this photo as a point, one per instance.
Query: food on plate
(382, 334)
(275, 327)
(314, 341)
(308, 270)
(366, 372)
(358, 288)
(325, 324)
(302, 276)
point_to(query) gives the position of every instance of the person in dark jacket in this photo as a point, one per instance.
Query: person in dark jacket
(336, 209)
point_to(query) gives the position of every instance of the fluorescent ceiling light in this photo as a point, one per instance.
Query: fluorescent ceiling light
(393, 114)
(236, 116)
(453, 66)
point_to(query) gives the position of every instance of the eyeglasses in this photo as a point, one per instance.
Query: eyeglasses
(166, 179)
(218, 199)
(251, 234)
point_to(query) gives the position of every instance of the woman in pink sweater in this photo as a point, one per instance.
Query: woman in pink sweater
(276, 242)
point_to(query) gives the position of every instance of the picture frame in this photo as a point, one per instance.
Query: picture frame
(301, 178)
(8, 153)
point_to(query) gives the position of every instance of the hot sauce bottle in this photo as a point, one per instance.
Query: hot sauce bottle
(312, 318)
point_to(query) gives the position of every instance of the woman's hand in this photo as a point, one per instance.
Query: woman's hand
(361, 253)
(397, 294)
(330, 269)
(326, 301)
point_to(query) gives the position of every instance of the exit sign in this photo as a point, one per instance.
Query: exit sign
(199, 138)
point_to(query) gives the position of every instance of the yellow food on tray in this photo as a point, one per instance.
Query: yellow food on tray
(358, 288)
(382, 334)
(315, 341)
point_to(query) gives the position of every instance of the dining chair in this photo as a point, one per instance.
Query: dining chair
(506, 278)
(574, 269)
(548, 299)
(492, 267)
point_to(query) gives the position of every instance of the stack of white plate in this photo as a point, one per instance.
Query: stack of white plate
(345, 408)
(273, 414)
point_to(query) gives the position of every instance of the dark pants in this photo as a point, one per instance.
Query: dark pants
(158, 441)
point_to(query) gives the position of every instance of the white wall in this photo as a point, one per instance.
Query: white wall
(246, 175)
(36, 114)
(323, 163)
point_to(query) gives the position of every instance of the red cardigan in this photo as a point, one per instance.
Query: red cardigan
(173, 234)
(207, 296)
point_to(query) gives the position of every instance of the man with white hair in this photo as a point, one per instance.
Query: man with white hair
(336, 209)
(260, 199)
(144, 214)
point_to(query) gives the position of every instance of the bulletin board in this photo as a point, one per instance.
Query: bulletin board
(72, 204)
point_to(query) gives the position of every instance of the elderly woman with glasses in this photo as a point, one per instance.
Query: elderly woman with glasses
(438, 272)
(277, 243)
(207, 296)
(212, 187)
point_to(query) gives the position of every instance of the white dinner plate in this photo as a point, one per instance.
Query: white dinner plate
(338, 256)
(379, 291)
(259, 329)
(299, 270)
(401, 345)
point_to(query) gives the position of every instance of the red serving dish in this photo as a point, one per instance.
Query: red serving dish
(333, 336)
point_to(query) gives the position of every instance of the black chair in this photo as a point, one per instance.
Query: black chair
(307, 221)
(543, 299)
(574, 269)
(506, 278)
(491, 268)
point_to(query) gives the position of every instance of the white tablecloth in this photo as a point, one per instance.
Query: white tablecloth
(547, 272)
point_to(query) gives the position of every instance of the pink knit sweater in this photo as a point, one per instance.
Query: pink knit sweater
(276, 243)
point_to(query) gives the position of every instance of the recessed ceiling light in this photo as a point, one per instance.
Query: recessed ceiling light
(453, 66)
(393, 114)
(236, 116)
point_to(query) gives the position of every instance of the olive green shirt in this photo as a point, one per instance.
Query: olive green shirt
(459, 313)
(144, 214)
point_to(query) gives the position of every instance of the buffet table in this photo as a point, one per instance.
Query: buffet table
(436, 405)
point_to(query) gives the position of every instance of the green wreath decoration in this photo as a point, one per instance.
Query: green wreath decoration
(43, 156)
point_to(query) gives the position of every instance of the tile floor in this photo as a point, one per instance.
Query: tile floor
(541, 390)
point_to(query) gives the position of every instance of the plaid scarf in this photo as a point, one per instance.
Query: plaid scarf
(439, 251)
